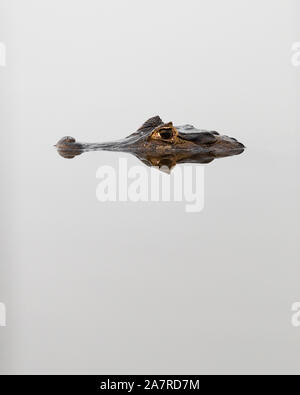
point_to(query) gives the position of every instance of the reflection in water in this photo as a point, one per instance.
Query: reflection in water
(161, 161)
(162, 145)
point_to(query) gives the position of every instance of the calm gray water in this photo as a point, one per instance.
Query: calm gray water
(126, 287)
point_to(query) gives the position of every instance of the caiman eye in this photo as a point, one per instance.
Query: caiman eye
(166, 134)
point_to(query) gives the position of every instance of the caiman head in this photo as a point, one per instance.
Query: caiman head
(156, 142)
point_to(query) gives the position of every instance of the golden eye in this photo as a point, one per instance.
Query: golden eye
(166, 134)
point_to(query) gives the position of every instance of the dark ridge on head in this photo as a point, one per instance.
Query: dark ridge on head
(199, 138)
(151, 123)
(147, 126)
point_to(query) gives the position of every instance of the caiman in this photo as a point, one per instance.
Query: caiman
(161, 144)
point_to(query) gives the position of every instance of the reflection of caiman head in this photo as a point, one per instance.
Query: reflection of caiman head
(162, 144)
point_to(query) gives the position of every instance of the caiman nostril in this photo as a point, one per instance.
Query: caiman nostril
(65, 140)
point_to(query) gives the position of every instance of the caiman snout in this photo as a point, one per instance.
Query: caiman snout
(68, 148)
